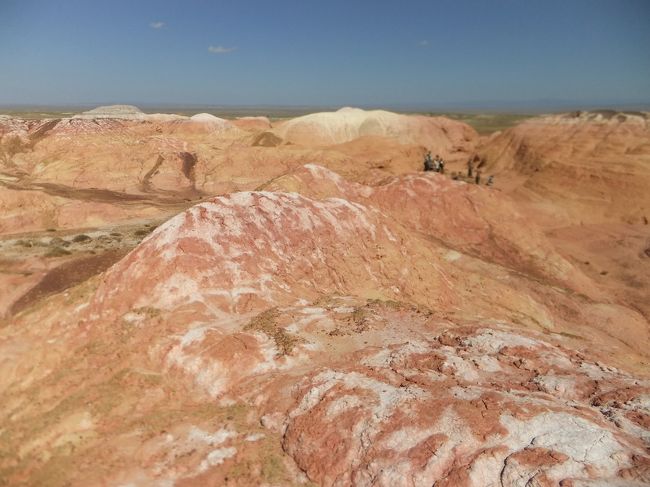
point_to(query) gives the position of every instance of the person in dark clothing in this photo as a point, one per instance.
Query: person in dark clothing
(441, 165)
(470, 167)
(490, 180)
(477, 180)
(428, 162)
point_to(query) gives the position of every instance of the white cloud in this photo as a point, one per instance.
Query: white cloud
(220, 49)
(424, 43)
(157, 25)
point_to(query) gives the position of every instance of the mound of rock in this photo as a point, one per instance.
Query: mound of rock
(123, 112)
(445, 136)
(208, 119)
(464, 217)
(247, 251)
(318, 331)
(466, 407)
(576, 168)
(269, 338)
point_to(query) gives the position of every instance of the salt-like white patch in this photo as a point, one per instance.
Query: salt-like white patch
(133, 318)
(579, 439)
(210, 375)
(194, 335)
(388, 396)
(640, 403)
(269, 351)
(406, 438)
(487, 363)
(216, 438)
(460, 440)
(558, 386)
(452, 256)
(491, 341)
(255, 437)
(217, 457)
(344, 309)
(595, 372)
(384, 357)
(175, 290)
(553, 357)
(461, 368)
(342, 404)
(292, 328)
(389, 234)
(466, 393)
(313, 311)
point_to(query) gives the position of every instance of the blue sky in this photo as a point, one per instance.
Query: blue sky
(379, 52)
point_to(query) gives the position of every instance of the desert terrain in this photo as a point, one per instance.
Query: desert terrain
(189, 300)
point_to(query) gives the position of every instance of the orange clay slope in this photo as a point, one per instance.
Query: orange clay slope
(328, 332)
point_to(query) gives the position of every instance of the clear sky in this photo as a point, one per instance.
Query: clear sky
(324, 52)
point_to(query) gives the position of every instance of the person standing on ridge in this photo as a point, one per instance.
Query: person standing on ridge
(478, 177)
(428, 162)
(436, 163)
(490, 180)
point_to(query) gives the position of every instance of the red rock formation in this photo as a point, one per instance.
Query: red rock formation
(122, 157)
(576, 168)
(419, 331)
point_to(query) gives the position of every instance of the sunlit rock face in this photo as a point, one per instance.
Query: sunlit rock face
(117, 159)
(315, 310)
(342, 336)
(347, 124)
(580, 168)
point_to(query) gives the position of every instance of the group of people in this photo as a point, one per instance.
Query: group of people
(437, 164)
(434, 164)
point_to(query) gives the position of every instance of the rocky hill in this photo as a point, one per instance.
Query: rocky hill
(265, 338)
(446, 137)
(583, 167)
(198, 301)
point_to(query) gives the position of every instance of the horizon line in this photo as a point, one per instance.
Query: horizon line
(514, 106)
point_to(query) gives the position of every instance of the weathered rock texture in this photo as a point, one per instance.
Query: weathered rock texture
(121, 158)
(336, 337)
(581, 168)
(347, 124)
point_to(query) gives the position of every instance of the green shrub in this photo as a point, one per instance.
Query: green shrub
(57, 252)
(81, 238)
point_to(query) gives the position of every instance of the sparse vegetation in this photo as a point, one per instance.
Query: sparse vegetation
(400, 306)
(81, 238)
(57, 252)
(266, 322)
(359, 318)
(569, 335)
(148, 311)
(326, 301)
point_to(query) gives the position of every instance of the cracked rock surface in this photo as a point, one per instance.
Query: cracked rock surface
(273, 338)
